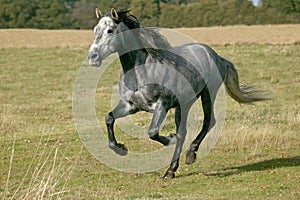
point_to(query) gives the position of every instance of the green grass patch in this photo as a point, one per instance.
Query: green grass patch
(256, 157)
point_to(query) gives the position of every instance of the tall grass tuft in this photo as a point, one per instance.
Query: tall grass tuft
(47, 174)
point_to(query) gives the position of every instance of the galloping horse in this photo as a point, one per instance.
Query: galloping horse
(157, 77)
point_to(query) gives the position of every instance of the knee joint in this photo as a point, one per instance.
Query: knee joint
(180, 136)
(109, 119)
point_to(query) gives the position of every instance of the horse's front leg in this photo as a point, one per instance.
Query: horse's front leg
(157, 119)
(121, 110)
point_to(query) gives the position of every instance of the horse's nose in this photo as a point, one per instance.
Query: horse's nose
(95, 56)
(94, 59)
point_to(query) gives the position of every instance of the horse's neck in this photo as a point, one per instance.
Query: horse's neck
(133, 74)
(131, 59)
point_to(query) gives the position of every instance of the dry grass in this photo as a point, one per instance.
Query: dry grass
(270, 34)
(32, 38)
(47, 173)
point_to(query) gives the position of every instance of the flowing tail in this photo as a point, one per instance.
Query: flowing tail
(242, 93)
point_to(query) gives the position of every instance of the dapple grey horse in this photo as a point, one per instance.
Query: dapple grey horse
(157, 77)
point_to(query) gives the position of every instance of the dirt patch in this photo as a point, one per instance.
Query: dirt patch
(268, 34)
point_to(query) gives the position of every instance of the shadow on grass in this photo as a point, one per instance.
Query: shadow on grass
(259, 166)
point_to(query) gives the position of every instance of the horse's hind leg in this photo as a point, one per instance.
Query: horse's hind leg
(208, 122)
(121, 110)
(181, 120)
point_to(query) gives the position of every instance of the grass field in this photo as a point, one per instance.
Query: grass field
(42, 157)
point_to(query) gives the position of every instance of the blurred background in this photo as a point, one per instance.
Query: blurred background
(79, 14)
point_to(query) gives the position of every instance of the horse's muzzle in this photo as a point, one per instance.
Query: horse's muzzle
(94, 59)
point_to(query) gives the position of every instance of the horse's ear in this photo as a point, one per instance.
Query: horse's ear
(114, 13)
(98, 13)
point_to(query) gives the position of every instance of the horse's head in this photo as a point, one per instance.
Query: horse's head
(118, 31)
(105, 33)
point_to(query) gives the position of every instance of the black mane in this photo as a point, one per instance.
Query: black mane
(147, 35)
(128, 19)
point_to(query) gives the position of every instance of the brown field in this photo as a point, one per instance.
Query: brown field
(268, 34)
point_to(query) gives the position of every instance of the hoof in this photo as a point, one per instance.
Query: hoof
(169, 174)
(190, 157)
(119, 149)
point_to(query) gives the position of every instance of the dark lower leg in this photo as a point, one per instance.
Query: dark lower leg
(170, 173)
(165, 140)
(110, 120)
(208, 123)
(191, 153)
(181, 131)
(116, 147)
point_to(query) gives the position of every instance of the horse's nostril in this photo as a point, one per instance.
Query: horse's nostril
(95, 56)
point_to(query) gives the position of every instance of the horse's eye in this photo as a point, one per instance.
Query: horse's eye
(109, 31)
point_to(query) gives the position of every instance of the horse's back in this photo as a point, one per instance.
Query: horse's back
(203, 59)
(196, 52)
